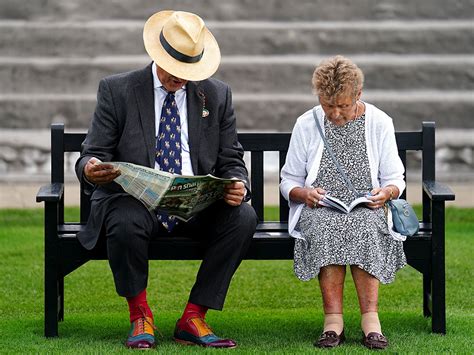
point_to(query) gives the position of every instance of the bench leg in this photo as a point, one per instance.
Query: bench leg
(427, 293)
(53, 281)
(438, 320)
(51, 302)
(61, 299)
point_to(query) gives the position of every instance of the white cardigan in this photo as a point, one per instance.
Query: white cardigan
(306, 149)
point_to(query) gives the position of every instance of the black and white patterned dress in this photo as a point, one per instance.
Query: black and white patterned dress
(360, 237)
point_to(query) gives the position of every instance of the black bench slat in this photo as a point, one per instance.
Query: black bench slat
(73, 141)
(267, 227)
(284, 208)
(409, 140)
(272, 236)
(73, 228)
(266, 142)
(256, 180)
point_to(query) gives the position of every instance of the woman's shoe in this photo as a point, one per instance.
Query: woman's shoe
(375, 340)
(330, 339)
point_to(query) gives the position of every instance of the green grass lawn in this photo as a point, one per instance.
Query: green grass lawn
(267, 308)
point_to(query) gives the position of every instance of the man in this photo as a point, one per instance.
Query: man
(170, 116)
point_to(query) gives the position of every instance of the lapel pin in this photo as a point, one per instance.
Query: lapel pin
(205, 112)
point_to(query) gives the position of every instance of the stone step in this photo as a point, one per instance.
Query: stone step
(277, 112)
(251, 74)
(382, 72)
(102, 38)
(229, 10)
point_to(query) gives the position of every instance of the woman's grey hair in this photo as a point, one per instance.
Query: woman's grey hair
(335, 76)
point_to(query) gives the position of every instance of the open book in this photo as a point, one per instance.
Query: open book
(333, 202)
(178, 195)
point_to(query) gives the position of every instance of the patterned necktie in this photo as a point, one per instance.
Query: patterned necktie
(168, 147)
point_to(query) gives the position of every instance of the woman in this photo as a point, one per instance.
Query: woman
(363, 141)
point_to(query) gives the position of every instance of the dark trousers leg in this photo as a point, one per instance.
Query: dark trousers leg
(229, 231)
(128, 227)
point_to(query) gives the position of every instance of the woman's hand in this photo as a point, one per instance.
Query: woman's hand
(382, 195)
(307, 195)
(314, 196)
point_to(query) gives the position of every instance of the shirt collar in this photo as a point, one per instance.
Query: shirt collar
(156, 80)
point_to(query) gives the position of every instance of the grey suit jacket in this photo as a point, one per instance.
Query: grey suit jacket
(123, 129)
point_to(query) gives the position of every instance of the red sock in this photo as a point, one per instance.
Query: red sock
(193, 310)
(138, 306)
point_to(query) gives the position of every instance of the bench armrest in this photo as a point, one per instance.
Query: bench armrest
(50, 193)
(437, 191)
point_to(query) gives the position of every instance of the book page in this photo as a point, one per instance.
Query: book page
(334, 202)
(358, 201)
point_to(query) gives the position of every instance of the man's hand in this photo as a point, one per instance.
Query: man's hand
(100, 174)
(234, 193)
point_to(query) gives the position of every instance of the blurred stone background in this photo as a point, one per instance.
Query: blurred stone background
(418, 58)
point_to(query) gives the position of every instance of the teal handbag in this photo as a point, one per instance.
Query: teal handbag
(404, 217)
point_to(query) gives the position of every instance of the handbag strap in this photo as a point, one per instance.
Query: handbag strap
(333, 157)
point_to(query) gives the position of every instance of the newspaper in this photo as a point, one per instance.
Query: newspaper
(178, 195)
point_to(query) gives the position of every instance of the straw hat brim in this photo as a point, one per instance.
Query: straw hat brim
(200, 70)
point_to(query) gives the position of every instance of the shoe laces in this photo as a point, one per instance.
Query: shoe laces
(144, 320)
(204, 324)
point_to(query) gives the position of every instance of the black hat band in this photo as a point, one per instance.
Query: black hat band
(178, 55)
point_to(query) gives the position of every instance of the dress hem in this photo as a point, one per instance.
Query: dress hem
(382, 280)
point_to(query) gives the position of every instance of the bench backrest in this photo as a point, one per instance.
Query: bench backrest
(256, 144)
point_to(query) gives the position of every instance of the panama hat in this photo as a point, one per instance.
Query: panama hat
(180, 44)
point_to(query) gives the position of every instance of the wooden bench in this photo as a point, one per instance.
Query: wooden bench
(63, 253)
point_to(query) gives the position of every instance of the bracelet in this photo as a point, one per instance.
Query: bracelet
(391, 193)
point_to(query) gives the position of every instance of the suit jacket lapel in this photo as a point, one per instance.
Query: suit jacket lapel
(146, 108)
(194, 105)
